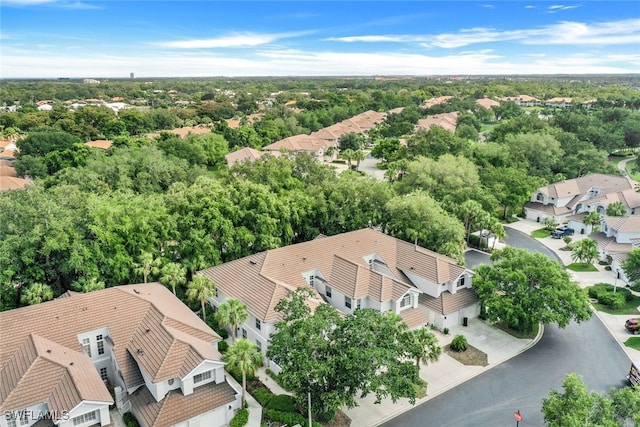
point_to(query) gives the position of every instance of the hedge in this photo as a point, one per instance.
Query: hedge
(241, 418)
(290, 418)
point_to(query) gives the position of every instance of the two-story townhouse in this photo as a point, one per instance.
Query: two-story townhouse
(59, 361)
(569, 199)
(360, 269)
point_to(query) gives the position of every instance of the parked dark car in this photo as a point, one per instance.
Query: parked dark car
(561, 232)
(633, 325)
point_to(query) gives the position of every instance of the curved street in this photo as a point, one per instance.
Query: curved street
(521, 383)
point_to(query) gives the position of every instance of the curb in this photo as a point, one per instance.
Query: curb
(400, 411)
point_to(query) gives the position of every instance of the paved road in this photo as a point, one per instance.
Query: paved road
(490, 399)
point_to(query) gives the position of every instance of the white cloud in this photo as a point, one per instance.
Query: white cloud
(565, 32)
(228, 41)
(530, 6)
(557, 7)
(488, 6)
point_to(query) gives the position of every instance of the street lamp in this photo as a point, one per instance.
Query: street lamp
(615, 282)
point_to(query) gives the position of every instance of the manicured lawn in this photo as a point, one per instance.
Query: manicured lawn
(540, 233)
(633, 342)
(517, 334)
(581, 267)
(633, 171)
(630, 307)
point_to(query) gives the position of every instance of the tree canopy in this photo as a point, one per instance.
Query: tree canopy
(522, 289)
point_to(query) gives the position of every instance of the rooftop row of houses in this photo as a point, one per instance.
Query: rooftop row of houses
(572, 200)
(61, 360)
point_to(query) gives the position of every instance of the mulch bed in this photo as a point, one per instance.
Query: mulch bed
(471, 356)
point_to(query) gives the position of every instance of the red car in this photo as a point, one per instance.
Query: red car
(633, 325)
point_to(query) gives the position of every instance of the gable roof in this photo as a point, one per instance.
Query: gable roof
(447, 121)
(246, 153)
(300, 142)
(174, 337)
(583, 184)
(263, 279)
(487, 103)
(624, 224)
(13, 183)
(103, 144)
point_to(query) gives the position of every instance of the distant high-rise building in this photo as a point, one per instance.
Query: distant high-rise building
(132, 76)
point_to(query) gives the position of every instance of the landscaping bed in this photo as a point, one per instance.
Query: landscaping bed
(470, 357)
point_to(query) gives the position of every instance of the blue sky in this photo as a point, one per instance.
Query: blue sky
(86, 38)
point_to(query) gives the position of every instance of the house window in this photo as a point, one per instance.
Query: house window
(461, 282)
(244, 333)
(100, 344)
(312, 278)
(406, 300)
(24, 419)
(84, 418)
(539, 197)
(259, 344)
(347, 302)
(258, 324)
(103, 374)
(600, 210)
(171, 381)
(215, 292)
(358, 303)
(87, 346)
(11, 422)
(201, 377)
(327, 291)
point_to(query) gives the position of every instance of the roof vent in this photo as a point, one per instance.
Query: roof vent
(49, 351)
(252, 262)
(140, 351)
(71, 364)
(148, 330)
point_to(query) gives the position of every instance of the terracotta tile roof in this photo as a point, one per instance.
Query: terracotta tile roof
(548, 209)
(609, 244)
(127, 311)
(630, 198)
(521, 98)
(487, 103)
(624, 223)
(172, 409)
(41, 370)
(560, 99)
(8, 154)
(103, 144)
(448, 302)
(396, 110)
(183, 132)
(436, 101)
(13, 183)
(8, 171)
(261, 280)
(447, 121)
(414, 317)
(243, 154)
(583, 184)
(300, 142)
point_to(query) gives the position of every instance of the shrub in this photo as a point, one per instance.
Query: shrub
(459, 343)
(237, 375)
(223, 346)
(289, 418)
(130, 420)
(282, 403)
(607, 268)
(445, 331)
(241, 418)
(612, 300)
(263, 395)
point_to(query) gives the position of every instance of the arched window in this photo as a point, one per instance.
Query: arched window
(600, 210)
(540, 197)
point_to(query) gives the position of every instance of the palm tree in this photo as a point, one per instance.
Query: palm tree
(200, 289)
(245, 356)
(87, 285)
(147, 265)
(592, 219)
(348, 155)
(616, 209)
(586, 250)
(423, 346)
(232, 313)
(359, 156)
(36, 293)
(173, 274)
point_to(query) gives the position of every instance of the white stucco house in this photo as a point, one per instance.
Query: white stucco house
(360, 269)
(61, 360)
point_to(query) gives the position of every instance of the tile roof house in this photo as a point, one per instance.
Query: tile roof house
(487, 103)
(60, 358)
(523, 100)
(436, 101)
(12, 183)
(302, 143)
(103, 144)
(559, 102)
(360, 269)
(244, 154)
(447, 121)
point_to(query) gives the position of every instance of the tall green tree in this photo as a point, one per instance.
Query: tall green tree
(173, 274)
(243, 355)
(36, 293)
(313, 349)
(576, 406)
(423, 346)
(585, 251)
(232, 313)
(522, 289)
(200, 289)
(592, 220)
(147, 265)
(631, 266)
